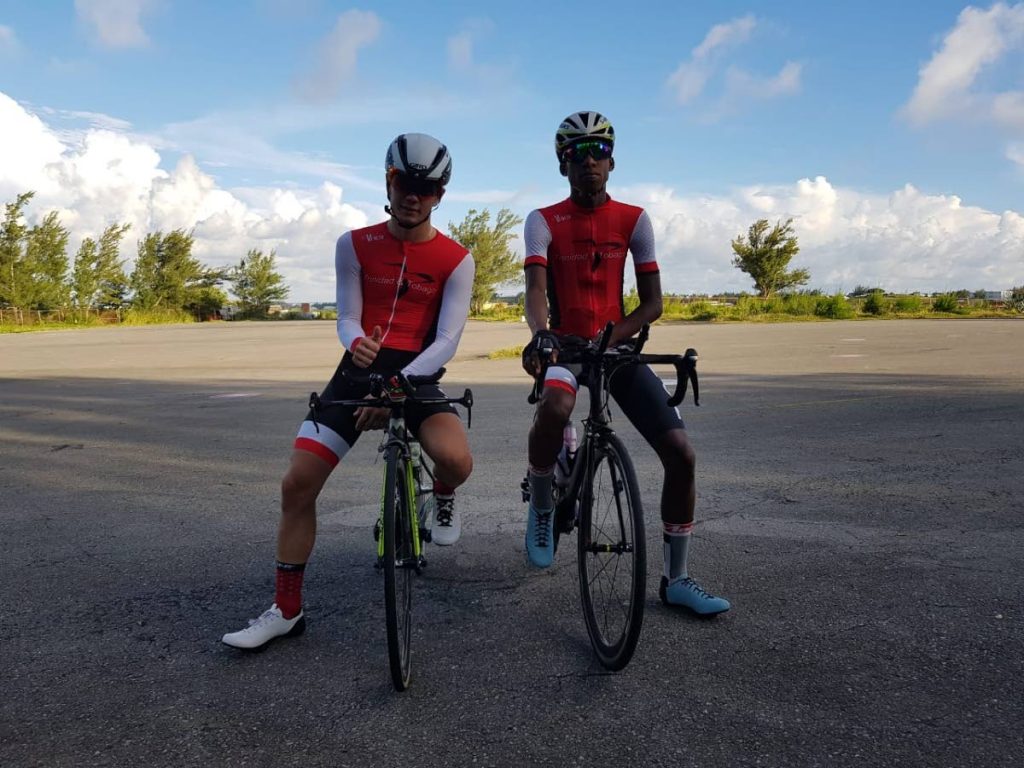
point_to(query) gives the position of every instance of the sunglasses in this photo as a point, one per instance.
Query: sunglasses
(577, 153)
(409, 185)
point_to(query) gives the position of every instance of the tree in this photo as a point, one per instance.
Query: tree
(166, 276)
(12, 236)
(764, 255)
(98, 279)
(257, 284)
(45, 264)
(495, 261)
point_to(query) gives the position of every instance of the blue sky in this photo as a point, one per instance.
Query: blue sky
(893, 133)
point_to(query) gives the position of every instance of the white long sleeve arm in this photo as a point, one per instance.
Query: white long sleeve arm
(348, 291)
(458, 290)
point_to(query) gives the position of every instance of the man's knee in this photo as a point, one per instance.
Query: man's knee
(556, 406)
(301, 485)
(677, 454)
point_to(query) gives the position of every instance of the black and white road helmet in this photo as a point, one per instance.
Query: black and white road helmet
(419, 156)
(580, 126)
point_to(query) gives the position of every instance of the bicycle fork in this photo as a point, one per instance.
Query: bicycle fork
(410, 503)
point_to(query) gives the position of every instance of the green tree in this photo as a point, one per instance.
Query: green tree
(44, 267)
(765, 254)
(257, 284)
(167, 276)
(98, 279)
(495, 261)
(12, 245)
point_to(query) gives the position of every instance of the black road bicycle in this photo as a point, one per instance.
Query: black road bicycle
(601, 497)
(403, 524)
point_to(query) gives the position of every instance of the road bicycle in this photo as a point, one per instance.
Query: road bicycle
(596, 492)
(403, 525)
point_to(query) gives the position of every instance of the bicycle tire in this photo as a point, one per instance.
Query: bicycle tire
(398, 573)
(610, 500)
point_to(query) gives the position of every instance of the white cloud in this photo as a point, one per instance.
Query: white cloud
(731, 33)
(1015, 152)
(906, 240)
(978, 40)
(8, 41)
(338, 54)
(461, 53)
(115, 23)
(691, 77)
(98, 176)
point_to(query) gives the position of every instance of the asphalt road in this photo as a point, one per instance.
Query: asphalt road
(861, 490)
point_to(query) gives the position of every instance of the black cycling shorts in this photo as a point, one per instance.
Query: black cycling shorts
(334, 432)
(637, 390)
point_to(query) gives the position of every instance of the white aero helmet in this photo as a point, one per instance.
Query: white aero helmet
(419, 156)
(580, 126)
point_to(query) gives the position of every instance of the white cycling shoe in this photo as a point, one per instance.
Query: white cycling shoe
(447, 527)
(267, 627)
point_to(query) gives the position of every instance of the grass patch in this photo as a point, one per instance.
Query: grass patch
(506, 353)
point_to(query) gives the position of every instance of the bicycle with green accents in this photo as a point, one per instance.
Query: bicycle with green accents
(403, 525)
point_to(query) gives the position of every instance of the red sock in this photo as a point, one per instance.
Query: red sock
(288, 595)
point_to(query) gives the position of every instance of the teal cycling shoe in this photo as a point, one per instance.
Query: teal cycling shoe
(687, 593)
(540, 536)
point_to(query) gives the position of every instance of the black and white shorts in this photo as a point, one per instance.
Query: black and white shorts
(334, 432)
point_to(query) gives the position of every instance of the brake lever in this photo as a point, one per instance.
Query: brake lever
(314, 406)
(467, 403)
(686, 373)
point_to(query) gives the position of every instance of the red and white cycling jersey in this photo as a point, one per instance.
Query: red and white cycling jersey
(418, 293)
(584, 251)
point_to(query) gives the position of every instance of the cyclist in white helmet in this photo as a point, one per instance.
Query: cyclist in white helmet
(575, 261)
(403, 292)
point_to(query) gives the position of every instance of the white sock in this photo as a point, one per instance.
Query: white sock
(677, 546)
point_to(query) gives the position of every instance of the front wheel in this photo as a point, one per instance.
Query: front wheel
(612, 553)
(399, 561)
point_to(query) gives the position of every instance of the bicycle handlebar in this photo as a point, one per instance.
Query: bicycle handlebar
(628, 353)
(382, 398)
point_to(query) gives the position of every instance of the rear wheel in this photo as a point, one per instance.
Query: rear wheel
(612, 554)
(399, 563)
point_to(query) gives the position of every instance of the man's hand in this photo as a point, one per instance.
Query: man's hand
(371, 418)
(366, 350)
(542, 341)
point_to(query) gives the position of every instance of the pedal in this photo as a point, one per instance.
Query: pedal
(525, 488)
(426, 535)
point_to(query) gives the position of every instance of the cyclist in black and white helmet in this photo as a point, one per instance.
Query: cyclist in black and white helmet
(419, 166)
(403, 292)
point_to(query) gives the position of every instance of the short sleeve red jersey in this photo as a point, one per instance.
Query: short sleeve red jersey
(584, 251)
(398, 285)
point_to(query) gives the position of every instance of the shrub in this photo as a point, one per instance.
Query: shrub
(835, 307)
(875, 303)
(804, 304)
(911, 303)
(947, 302)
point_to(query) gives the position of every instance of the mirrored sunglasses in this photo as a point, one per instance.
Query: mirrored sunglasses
(577, 153)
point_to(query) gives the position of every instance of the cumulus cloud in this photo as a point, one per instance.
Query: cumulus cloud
(691, 77)
(905, 240)
(8, 41)
(100, 176)
(338, 54)
(978, 40)
(115, 23)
